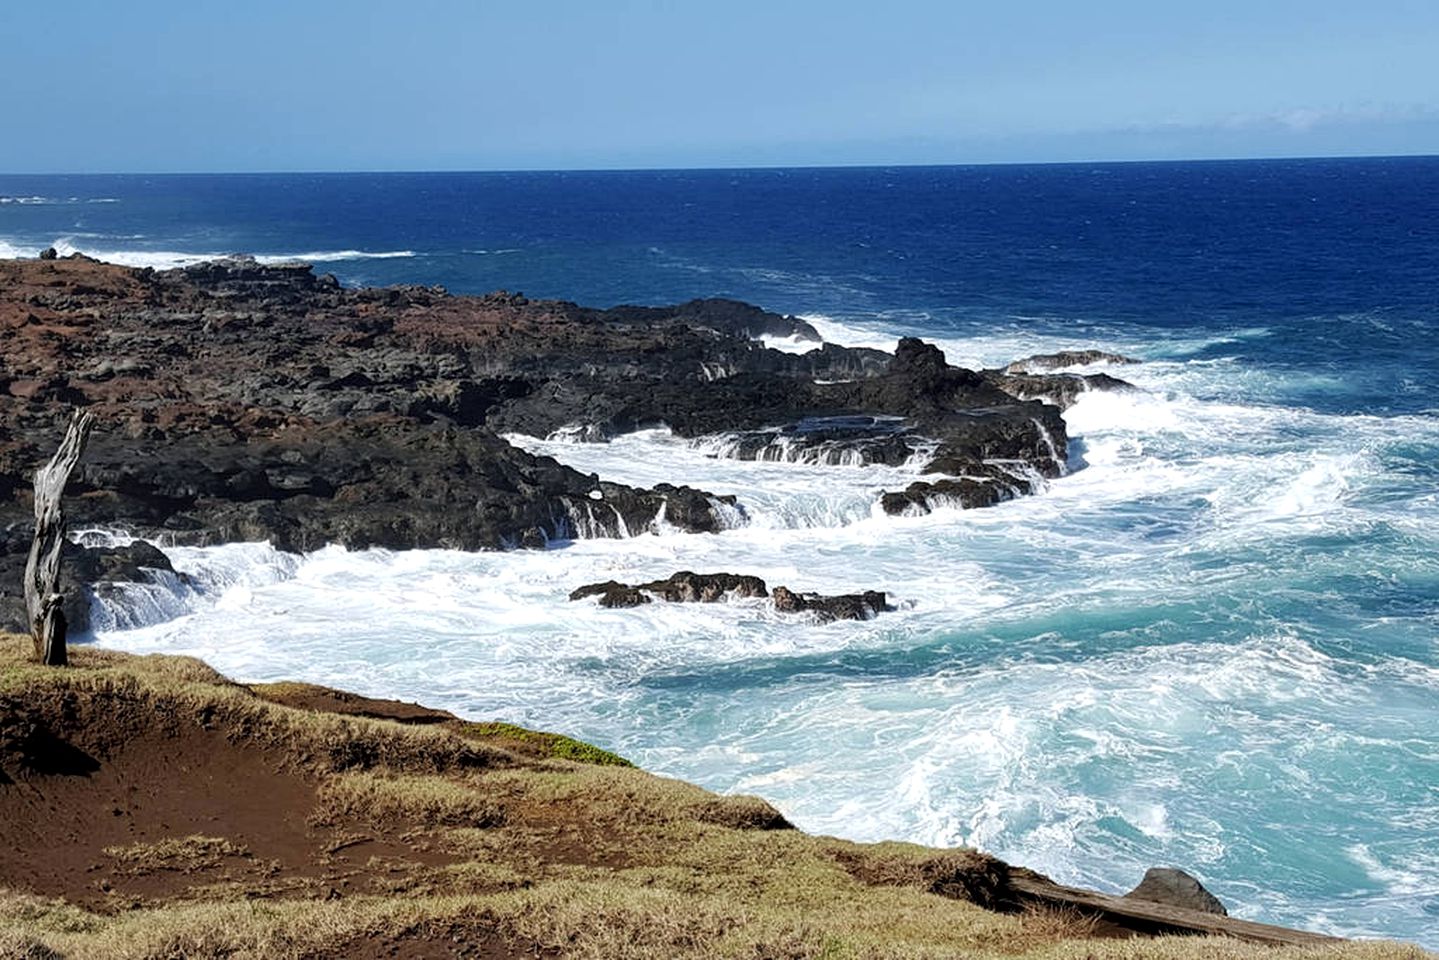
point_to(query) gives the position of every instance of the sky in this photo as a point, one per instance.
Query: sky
(262, 85)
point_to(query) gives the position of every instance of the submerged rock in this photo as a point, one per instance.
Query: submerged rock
(1065, 358)
(1034, 378)
(1060, 389)
(848, 441)
(1174, 887)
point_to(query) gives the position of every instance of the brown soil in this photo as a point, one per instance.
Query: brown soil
(68, 829)
(435, 941)
(308, 696)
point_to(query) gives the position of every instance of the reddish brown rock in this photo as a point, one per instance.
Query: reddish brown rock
(237, 400)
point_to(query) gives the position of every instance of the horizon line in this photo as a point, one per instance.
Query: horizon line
(867, 165)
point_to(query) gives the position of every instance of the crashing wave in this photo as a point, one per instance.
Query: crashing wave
(172, 259)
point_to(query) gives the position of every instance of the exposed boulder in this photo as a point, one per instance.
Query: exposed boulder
(767, 405)
(849, 606)
(84, 571)
(915, 357)
(378, 481)
(682, 587)
(1169, 885)
(612, 593)
(116, 564)
(1035, 377)
(966, 493)
(688, 587)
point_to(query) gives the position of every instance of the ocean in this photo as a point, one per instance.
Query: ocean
(1213, 643)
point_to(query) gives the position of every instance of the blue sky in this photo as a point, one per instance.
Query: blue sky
(226, 85)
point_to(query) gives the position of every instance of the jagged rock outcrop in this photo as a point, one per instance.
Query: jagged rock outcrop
(682, 587)
(688, 587)
(1034, 378)
(915, 394)
(1172, 886)
(965, 493)
(241, 400)
(849, 606)
(729, 317)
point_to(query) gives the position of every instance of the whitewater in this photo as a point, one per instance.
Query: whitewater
(1103, 677)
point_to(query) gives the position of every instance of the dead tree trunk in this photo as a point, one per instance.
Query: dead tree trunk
(42, 572)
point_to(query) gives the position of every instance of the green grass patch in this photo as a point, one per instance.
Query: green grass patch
(548, 744)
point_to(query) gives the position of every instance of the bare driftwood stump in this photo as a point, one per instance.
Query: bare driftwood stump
(42, 571)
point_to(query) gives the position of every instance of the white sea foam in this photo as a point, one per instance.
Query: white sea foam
(333, 256)
(35, 201)
(776, 494)
(158, 259)
(996, 347)
(171, 259)
(850, 335)
(213, 578)
(793, 343)
(988, 351)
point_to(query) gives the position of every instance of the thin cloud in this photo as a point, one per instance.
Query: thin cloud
(1297, 120)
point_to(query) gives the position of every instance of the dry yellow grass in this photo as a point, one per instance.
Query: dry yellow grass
(523, 854)
(427, 800)
(177, 853)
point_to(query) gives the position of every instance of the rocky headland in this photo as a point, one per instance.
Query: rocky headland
(242, 401)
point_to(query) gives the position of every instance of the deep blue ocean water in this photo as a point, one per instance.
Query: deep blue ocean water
(1214, 644)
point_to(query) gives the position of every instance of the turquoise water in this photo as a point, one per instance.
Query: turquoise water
(1213, 644)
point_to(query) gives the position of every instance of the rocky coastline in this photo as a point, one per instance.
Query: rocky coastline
(244, 401)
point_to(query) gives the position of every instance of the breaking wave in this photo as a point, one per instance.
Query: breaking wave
(171, 259)
(34, 201)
